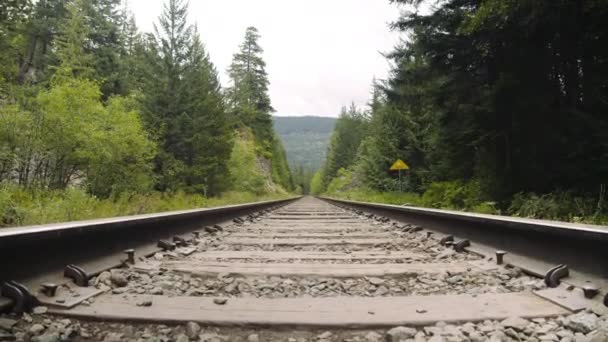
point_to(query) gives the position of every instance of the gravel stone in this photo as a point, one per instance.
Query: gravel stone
(192, 330)
(7, 323)
(144, 302)
(373, 336)
(6, 336)
(182, 338)
(50, 337)
(516, 323)
(400, 334)
(220, 301)
(598, 336)
(103, 278)
(37, 329)
(40, 310)
(118, 278)
(375, 281)
(325, 335)
(253, 338)
(583, 322)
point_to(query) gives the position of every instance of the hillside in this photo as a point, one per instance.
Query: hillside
(305, 139)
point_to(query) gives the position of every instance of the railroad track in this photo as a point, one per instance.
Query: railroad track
(313, 271)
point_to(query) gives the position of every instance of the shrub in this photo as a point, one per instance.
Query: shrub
(452, 195)
(558, 205)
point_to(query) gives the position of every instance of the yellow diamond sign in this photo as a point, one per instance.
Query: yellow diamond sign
(399, 165)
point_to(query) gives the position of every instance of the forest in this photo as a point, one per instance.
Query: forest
(99, 119)
(496, 106)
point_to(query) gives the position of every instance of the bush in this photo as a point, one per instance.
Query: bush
(558, 205)
(243, 165)
(341, 182)
(453, 195)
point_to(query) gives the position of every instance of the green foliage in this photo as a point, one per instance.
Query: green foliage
(452, 195)
(558, 205)
(183, 105)
(78, 138)
(489, 99)
(350, 130)
(341, 182)
(74, 62)
(75, 76)
(280, 170)
(249, 103)
(316, 183)
(20, 206)
(246, 174)
(248, 95)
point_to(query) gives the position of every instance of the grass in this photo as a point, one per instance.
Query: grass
(19, 206)
(555, 206)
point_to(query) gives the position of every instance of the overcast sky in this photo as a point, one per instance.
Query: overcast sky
(320, 54)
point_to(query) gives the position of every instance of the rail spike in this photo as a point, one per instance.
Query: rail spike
(461, 245)
(77, 274)
(23, 300)
(553, 276)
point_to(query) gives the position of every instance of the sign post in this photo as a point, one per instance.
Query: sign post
(399, 165)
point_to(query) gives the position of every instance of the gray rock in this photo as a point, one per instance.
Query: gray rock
(548, 337)
(253, 338)
(516, 323)
(446, 254)
(476, 337)
(220, 301)
(597, 336)
(324, 335)
(208, 337)
(583, 322)
(455, 279)
(373, 336)
(436, 338)
(420, 337)
(400, 334)
(119, 290)
(375, 281)
(182, 338)
(50, 337)
(157, 291)
(6, 336)
(498, 336)
(144, 302)
(192, 330)
(103, 278)
(7, 323)
(118, 278)
(39, 310)
(113, 337)
(37, 329)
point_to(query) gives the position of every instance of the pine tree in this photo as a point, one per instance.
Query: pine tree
(74, 62)
(205, 126)
(248, 95)
(164, 69)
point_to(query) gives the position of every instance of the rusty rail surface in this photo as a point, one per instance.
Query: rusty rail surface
(536, 246)
(35, 254)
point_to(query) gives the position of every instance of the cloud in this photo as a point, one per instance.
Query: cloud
(320, 54)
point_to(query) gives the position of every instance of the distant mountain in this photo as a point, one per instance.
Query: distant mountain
(305, 139)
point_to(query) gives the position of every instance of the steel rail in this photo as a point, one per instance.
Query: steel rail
(36, 254)
(534, 245)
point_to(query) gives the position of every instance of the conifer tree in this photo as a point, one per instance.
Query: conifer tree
(248, 94)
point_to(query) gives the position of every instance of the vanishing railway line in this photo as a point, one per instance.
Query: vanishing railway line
(315, 270)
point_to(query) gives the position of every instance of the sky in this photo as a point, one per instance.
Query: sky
(320, 54)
